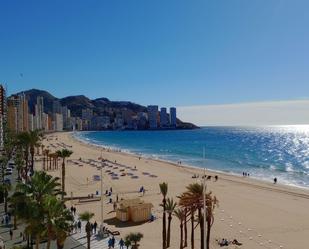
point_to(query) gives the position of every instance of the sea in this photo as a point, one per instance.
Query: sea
(264, 152)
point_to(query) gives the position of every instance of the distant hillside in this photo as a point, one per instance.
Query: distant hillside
(100, 106)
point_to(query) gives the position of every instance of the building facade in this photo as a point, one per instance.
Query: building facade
(173, 117)
(164, 120)
(153, 116)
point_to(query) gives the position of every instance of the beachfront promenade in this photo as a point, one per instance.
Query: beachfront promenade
(96, 241)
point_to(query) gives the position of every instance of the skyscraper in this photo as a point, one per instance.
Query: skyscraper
(56, 106)
(153, 116)
(173, 117)
(2, 114)
(12, 116)
(23, 113)
(164, 122)
(18, 113)
(39, 109)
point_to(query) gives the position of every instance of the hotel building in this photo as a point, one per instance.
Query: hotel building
(164, 121)
(173, 117)
(153, 116)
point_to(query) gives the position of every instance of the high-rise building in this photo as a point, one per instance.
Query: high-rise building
(153, 116)
(23, 112)
(12, 116)
(39, 110)
(173, 117)
(66, 116)
(57, 122)
(87, 114)
(164, 122)
(56, 106)
(31, 122)
(18, 113)
(2, 114)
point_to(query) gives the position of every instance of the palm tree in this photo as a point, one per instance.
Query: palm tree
(181, 215)
(3, 163)
(59, 221)
(17, 201)
(63, 154)
(163, 190)
(23, 139)
(19, 162)
(87, 216)
(34, 194)
(9, 142)
(192, 199)
(170, 207)
(135, 238)
(35, 138)
(211, 203)
(127, 243)
(41, 185)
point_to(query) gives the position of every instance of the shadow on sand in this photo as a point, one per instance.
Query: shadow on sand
(117, 223)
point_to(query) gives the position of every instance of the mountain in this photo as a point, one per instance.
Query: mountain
(100, 106)
(32, 95)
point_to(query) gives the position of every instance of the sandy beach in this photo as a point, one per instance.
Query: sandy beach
(256, 213)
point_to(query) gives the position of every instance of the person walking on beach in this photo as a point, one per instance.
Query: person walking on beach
(121, 243)
(79, 225)
(110, 243)
(113, 242)
(95, 225)
(275, 180)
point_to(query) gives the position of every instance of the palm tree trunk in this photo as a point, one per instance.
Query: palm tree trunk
(49, 238)
(164, 225)
(201, 221)
(63, 177)
(50, 162)
(59, 245)
(15, 222)
(208, 234)
(26, 169)
(37, 242)
(192, 229)
(32, 159)
(186, 232)
(169, 230)
(181, 235)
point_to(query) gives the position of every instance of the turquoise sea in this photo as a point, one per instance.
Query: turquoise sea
(264, 152)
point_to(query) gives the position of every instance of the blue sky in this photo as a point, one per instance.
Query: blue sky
(178, 52)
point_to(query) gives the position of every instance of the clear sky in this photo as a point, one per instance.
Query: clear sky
(175, 52)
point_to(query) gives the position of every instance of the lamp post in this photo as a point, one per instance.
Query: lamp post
(102, 203)
(204, 199)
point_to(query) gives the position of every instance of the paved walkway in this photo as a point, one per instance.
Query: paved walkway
(95, 242)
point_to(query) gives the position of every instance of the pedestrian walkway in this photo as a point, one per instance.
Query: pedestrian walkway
(95, 242)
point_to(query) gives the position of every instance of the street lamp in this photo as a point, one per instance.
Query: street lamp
(204, 198)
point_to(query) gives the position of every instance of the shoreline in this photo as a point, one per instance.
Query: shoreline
(187, 166)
